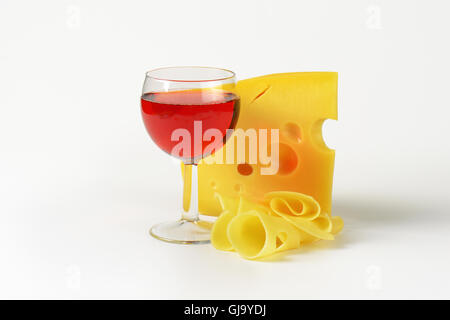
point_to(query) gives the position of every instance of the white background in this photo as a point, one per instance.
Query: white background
(81, 182)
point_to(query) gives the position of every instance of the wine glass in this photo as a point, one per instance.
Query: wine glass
(182, 109)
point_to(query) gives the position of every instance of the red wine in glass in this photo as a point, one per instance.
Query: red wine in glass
(195, 103)
(165, 112)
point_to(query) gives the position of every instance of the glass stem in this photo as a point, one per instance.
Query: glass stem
(190, 193)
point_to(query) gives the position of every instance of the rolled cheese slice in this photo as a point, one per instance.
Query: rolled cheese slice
(302, 211)
(283, 221)
(255, 234)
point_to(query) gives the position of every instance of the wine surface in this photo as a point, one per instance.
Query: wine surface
(165, 112)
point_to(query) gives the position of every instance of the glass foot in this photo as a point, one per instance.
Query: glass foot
(183, 231)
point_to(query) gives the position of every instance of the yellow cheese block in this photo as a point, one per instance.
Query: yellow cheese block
(297, 104)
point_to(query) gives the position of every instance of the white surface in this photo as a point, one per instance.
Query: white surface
(81, 182)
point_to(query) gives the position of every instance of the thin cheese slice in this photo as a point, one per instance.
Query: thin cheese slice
(307, 217)
(284, 221)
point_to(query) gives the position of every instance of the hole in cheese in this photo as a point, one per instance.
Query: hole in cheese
(288, 159)
(259, 95)
(317, 134)
(281, 238)
(245, 169)
(330, 133)
(292, 132)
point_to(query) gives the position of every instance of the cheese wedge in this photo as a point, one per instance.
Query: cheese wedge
(297, 104)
